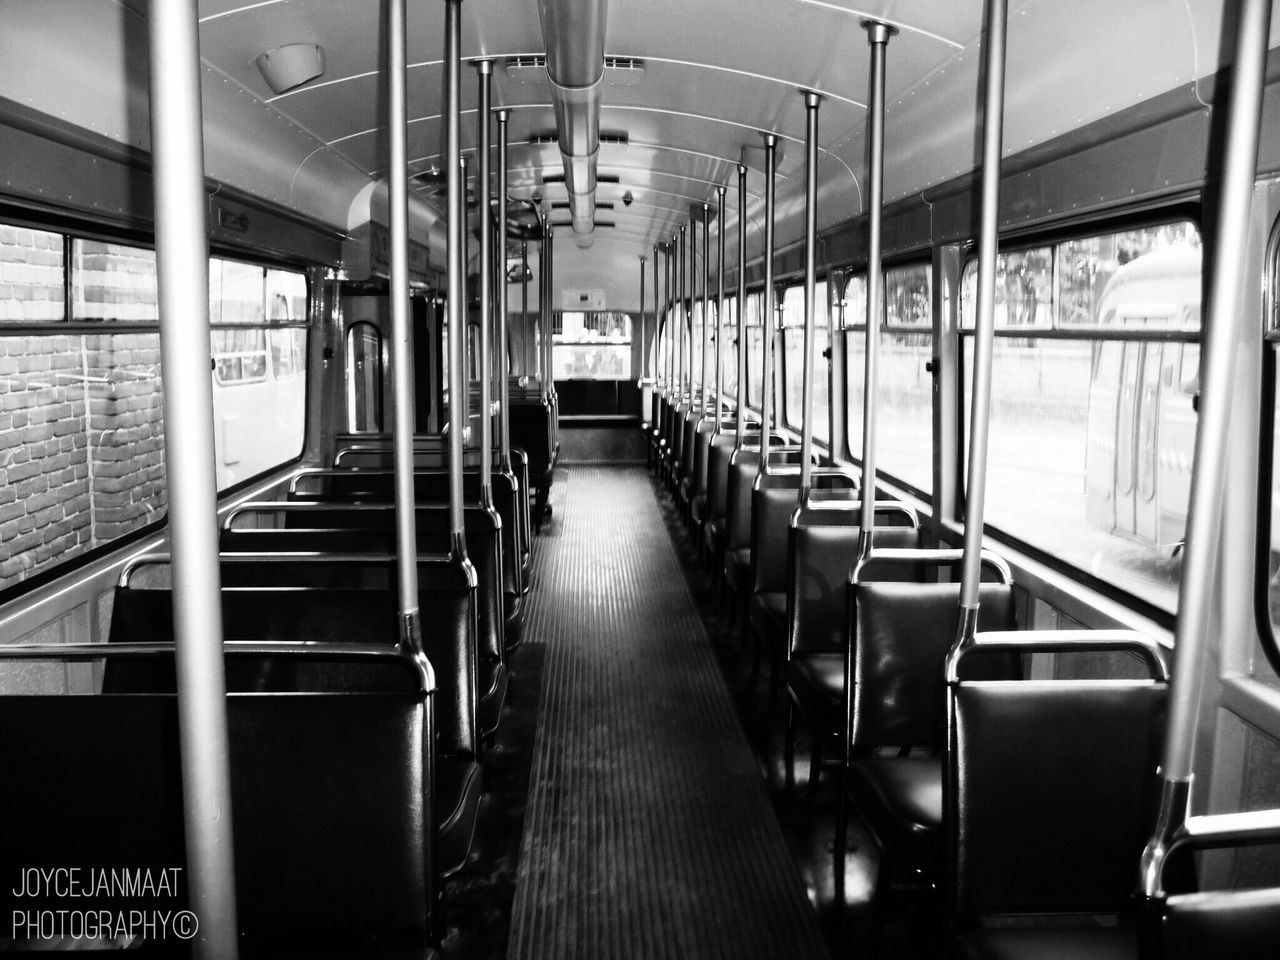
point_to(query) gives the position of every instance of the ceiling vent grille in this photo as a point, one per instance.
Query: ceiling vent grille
(623, 71)
(527, 70)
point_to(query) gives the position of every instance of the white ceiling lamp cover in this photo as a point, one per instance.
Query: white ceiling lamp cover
(291, 65)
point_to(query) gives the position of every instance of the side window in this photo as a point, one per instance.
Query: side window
(905, 413)
(1092, 419)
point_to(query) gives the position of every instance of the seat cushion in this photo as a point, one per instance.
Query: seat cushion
(737, 569)
(901, 797)
(513, 628)
(767, 613)
(816, 682)
(491, 675)
(699, 508)
(457, 804)
(713, 536)
(1055, 942)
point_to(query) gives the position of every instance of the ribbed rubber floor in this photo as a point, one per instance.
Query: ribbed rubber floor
(648, 832)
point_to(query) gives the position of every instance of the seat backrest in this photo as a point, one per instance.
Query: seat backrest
(447, 599)
(531, 430)
(744, 465)
(901, 633)
(820, 558)
(719, 452)
(701, 446)
(1052, 791)
(325, 787)
(1240, 924)
(773, 501)
(688, 442)
(331, 528)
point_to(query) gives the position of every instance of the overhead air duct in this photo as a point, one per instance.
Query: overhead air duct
(573, 31)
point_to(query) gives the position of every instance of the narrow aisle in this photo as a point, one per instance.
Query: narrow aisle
(648, 832)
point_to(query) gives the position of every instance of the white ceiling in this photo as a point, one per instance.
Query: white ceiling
(717, 73)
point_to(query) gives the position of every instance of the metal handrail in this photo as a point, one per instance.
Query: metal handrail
(1063, 641)
(931, 557)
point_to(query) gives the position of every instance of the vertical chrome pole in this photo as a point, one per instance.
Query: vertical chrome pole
(689, 274)
(706, 302)
(549, 341)
(673, 390)
(988, 237)
(502, 355)
(485, 70)
(680, 271)
(811, 102)
(720, 192)
(742, 306)
(544, 321)
(1223, 330)
(878, 35)
(182, 262)
(455, 267)
(401, 330)
(657, 325)
(766, 376)
(525, 277)
(644, 351)
(693, 299)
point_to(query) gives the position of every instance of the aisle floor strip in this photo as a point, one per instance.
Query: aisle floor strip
(649, 832)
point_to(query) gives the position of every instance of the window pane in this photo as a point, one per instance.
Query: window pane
(1091, 440)
(907, 296)
(235, 292)
(286, 296)
(729, 350)
(755, 351)
(592, 346)
(855, 360)
(904, 415)
(83, 441)
(855, 318)
(111, 281)
(793, 361)
(1168, 254)
(31, 275)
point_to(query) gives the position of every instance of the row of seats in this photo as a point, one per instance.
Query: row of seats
(356, 767)
(1020, 800)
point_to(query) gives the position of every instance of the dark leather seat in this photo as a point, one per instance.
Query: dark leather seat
(907, 789)
(1051, 772)
(900, 635)
(446, 588)
(1114, 941)
(816, 679)
(822, 551)
(333, 528)
(532, 426)
(325, 788)
(1240, 924)
(714, 505)
(458, 788)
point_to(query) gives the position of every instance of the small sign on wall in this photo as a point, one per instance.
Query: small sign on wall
(584, 300)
